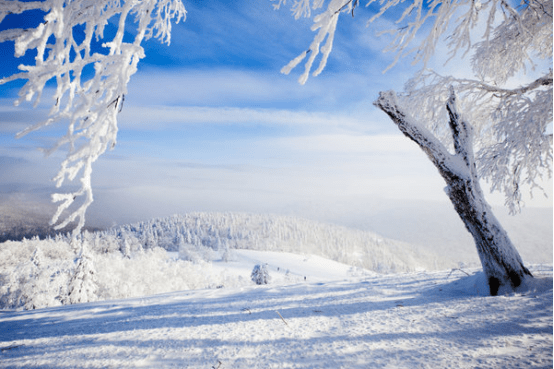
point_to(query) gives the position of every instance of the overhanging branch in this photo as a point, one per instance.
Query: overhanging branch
(445, 162)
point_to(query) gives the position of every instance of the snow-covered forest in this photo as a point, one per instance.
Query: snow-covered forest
(176, 253)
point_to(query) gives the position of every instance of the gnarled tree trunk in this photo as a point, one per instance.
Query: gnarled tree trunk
(500, 260)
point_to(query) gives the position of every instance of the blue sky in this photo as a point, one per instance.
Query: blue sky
(210, 124)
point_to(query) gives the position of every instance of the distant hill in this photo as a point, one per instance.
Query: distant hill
(25, 217)
(431, 227)
(266, 232)
(436, 227)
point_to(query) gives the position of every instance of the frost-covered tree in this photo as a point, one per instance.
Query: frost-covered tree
(90, 73)
(227, 254)
(83, 285)
(32, 288)
(489, 126)
(260, 274)
(34, 284)
(126, 248)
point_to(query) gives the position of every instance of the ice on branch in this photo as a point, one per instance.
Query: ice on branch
(326, 23)
(422, 24)
(69, 45)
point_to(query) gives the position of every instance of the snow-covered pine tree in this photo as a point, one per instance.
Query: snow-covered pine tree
(31, 290)
(260, 274)
(67, 44)
(83, 286)
(126, 248)
(470, 128)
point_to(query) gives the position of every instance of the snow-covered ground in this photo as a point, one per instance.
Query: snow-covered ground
(337, 317)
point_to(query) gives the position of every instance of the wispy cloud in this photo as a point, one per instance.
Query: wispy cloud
(354, 144)
(16, 118)
(153, 118)
(239, 87)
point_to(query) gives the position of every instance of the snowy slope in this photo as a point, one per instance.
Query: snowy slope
(314, 313)
(334, 319)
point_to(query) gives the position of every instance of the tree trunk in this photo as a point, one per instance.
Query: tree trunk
(500, 260)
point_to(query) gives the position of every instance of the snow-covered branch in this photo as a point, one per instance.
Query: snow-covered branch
(417, 132)
(422, 24)
(462, 133)
(512, 148)
(505, 92)
(89, 104)
(326, 23)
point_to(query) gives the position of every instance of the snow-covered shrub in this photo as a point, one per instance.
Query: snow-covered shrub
(103, 265)
(153, 271)
(188, 252)
(260, 274)
(36, 280)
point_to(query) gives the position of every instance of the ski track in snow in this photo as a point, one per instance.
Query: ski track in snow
(418, 320)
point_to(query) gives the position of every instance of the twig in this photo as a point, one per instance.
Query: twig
(454, 269)
(247, 309)
(282, 318)
(218, 365)
(9, 348)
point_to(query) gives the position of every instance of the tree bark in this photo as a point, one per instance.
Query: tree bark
(501, 262)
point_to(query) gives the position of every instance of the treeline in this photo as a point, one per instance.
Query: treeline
(219, 231)
(24, 230)
(175, 253)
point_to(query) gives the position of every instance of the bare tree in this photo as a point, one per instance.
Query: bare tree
(474, 128)
(66, 52)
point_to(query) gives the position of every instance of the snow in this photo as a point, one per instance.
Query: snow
(339, 317)
(285, 267)
(153, 309)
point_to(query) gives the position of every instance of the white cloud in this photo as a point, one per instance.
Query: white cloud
(14, 119)
(254, 88)
(150, 118)
(159, 99)
(354, 144)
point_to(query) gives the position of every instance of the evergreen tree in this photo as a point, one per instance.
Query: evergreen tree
(260, 274)
(83, 287)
